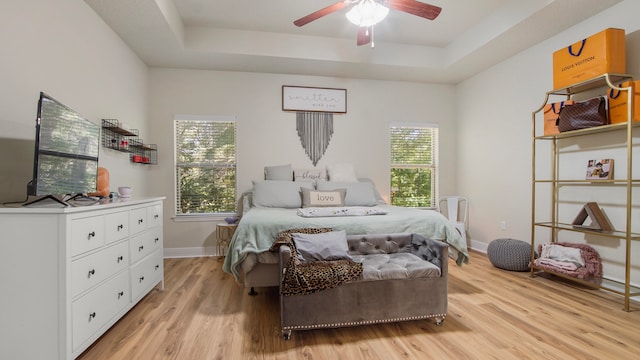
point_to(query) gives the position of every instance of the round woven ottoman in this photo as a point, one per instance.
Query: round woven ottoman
(510, 254)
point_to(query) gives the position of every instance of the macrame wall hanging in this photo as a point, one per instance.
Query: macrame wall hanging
(314, 130)
(314, 109)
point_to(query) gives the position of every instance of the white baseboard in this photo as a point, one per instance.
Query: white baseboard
(190, 252)
(479, 246)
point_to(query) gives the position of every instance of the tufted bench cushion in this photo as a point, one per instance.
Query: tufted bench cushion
(395, 266)
(509, 254)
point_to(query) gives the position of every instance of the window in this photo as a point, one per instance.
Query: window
(205, 165)
(414, 164)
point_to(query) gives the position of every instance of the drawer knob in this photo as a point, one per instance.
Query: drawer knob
(120, 294)
(157, 239)
(140, 221)
(157, 267)
(141, 278)
(120, 258)
(92, 315)
(120, 227)
(141, 247)
(155, 216)
(91, 272)
(91, 234)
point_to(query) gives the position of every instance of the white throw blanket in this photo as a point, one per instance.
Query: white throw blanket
(341, 211)
(562, 254)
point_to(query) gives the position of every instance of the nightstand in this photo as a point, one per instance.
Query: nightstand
(224, 233)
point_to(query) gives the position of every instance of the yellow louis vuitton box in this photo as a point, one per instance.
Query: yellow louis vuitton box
(598, 54)
(551, 113)
(618, 103)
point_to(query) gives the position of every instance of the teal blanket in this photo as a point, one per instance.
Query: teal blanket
(258, 228)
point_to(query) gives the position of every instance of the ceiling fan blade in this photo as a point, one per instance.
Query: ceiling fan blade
(414, 7)
(320, 13)
(364, 35)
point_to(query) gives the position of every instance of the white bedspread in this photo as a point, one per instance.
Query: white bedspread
(258, 228)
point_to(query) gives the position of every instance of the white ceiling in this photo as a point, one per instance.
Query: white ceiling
(258, 35)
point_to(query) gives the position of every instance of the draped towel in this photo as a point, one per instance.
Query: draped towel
(315, 130)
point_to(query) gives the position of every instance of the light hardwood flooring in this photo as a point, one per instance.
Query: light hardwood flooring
(493, 314)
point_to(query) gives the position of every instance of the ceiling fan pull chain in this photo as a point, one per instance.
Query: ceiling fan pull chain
(373, 41)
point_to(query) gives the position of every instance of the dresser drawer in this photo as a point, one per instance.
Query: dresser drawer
(144, 244)
(116, 226)
(91, 270)
(87, 234)
(154, 215)
(146, 274)
(94, 310)
(137, 220)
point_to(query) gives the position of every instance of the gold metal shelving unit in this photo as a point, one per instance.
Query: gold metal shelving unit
(623, 288)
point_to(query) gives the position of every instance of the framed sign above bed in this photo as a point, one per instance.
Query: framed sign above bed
(301, 98)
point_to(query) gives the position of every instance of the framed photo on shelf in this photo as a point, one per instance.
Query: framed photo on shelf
(599, 169)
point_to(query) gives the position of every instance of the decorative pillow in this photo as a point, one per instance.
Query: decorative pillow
(358, 193)
(318, 198)
(309, 174)
(342, 172)
(282, 194)
(379, 199)
(279, 172)
(324, 246)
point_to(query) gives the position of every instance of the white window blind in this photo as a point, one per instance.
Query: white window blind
(205, 161)
(414, 164)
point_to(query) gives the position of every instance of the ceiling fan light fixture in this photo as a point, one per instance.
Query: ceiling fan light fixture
(367, 13)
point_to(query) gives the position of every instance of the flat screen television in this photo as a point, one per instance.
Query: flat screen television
(66, 153)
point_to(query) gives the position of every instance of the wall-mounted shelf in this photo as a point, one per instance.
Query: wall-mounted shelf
(116, 137)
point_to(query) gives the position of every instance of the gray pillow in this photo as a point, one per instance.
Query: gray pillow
(324, 246)
(358, 193)
(278, 172)
(281, 194)
(320, 198)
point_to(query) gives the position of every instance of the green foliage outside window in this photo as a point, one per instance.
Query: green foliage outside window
(413, 187)
(205, 166)
(413, 159)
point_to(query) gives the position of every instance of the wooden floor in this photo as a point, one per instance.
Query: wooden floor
(493, 314)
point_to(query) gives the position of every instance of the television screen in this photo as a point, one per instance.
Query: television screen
(66, 152)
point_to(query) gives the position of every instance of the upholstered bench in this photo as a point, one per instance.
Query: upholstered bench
(510, 254)
(404, 278)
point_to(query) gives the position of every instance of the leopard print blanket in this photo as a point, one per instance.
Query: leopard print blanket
(307, 277)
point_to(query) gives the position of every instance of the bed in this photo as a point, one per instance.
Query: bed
(251, 263)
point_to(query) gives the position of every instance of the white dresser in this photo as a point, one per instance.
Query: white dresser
(68, 274)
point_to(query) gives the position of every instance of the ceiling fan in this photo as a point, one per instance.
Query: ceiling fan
(366, 13)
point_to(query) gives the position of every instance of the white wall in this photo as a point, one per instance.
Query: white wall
(494, 123)
(267, 135)
(64, 49)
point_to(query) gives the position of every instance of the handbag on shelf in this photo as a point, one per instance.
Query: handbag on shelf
(583, 114)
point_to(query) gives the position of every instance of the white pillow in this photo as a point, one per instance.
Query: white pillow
(281, 194)
(309, 174)
(358, 193)
(342, 172)
(278, 172)
(320, 198)
(324, 246)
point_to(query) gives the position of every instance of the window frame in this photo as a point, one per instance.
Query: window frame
(434, 166)
(180, 217)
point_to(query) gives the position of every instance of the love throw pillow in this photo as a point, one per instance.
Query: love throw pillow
(318, 198)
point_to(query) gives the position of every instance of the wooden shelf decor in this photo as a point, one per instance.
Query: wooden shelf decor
(599, 221)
